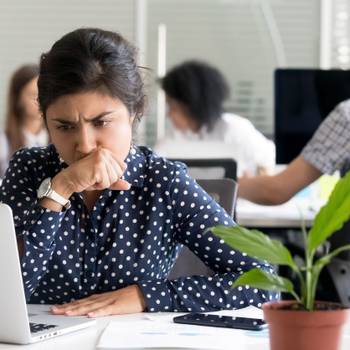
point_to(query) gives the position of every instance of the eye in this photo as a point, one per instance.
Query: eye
(65, 127)
(100, 123)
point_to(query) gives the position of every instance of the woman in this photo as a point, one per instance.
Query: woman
(24, 123)
(195, 93)
(105, 229)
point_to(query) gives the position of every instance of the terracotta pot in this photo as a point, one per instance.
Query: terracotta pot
(303, 330)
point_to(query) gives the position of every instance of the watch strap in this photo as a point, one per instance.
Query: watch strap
(59, 199)
(46, 190)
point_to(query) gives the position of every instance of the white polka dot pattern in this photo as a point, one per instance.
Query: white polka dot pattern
(130, 237)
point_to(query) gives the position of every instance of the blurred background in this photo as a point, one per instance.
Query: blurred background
(246, 39)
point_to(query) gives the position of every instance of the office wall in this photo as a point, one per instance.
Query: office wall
(246, 39)
(28, 28)
(340, 34)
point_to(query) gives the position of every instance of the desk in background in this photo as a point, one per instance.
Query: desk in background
(284, 216)
(302, 207)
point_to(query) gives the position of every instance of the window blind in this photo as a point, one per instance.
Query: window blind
(235, 36)
(28, 28)
(340, 34)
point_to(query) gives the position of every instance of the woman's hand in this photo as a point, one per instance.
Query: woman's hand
(97, 171)
(123, 301)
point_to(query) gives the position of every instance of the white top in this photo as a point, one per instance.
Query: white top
(232, 137)
(36, 140)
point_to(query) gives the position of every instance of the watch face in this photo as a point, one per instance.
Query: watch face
(44, 188)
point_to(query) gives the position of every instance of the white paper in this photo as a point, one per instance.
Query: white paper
(159, 332)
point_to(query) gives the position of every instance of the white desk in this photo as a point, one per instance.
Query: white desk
(304, 205)
(288, 215)
(87, 339)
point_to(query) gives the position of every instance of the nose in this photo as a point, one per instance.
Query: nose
(86, 141)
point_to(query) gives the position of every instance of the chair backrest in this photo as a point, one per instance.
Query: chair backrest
(224, 191)
(209, 168)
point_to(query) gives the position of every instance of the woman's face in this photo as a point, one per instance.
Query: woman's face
(80, 123)
(28, 100)
(179, 116)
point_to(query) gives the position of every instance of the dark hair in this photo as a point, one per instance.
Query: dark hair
(90, 59)
(200, 88)
(15, 112)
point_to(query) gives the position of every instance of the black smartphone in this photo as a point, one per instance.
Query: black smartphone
(252, 324)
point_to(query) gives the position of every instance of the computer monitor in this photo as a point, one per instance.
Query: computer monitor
(303, 98)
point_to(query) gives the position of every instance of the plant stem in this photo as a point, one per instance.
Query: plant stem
(338, 251)
(296, 296)
(306, 285)
(315, 277)
(302, 286)
(308, 301)
(308, 296)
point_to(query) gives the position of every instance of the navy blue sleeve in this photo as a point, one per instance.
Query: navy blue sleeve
(36, 225)
(194, 211)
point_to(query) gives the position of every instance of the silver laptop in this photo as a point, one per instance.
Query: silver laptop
(16, 325)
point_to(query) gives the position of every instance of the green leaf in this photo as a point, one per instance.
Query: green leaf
(333, 215)
(263, 280)
(256, 244)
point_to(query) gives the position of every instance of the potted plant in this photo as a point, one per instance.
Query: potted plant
(303, 323)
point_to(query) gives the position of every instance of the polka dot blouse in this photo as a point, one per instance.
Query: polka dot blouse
(129, 237)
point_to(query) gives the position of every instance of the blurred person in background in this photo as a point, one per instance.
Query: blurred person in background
(195, 93)
(328, 151)
(24, 125)
(3, 153)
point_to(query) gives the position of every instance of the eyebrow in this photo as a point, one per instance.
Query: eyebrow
(103, 114)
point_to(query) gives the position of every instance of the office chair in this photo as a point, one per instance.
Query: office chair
(199, 167)
(224, 191)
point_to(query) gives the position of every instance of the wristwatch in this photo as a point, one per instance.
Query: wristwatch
(45, 190)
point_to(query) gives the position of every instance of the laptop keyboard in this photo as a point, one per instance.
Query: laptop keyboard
(38, 327)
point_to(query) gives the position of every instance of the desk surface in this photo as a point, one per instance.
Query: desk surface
(88, 339)
(288, 215)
